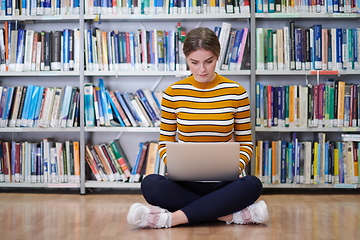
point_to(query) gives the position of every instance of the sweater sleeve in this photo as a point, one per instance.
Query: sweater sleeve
(168, 123)
(242, 129)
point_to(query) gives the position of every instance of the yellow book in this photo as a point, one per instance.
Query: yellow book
(336, 166)
(260, 160)
(76, 161)
(274, 161)
(315, 163)
(104, 45)
(341, 96)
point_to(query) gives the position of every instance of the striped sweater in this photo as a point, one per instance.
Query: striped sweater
(193, 111)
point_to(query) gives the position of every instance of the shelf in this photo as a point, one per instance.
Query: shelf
(41, 185)
(37, 129)
(291, 185)
(159, 73)
(168, 17)
(122, 129)
(309, 16)
(120, 185)
(308, 72)
(41, 74)
(40, 18)
(306, 129)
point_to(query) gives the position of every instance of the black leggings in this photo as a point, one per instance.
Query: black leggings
(201, 201)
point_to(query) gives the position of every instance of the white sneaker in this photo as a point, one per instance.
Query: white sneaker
(148, 216)
(254, 214)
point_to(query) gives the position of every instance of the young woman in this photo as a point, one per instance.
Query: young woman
(204, 107)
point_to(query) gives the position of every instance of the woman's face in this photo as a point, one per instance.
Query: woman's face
(202, 65)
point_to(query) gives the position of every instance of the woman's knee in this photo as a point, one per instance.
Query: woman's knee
(148, 186)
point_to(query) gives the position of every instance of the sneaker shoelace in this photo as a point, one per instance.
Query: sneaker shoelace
(152, 220)
(247, 217)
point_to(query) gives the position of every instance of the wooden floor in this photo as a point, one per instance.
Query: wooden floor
(103, 216)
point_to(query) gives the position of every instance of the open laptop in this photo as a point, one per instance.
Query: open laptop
(203, 161)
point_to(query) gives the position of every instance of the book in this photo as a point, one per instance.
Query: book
(121, 157)
(140, 167)
(148, 108)
(151, 156)
(89, 105)
(55, 37)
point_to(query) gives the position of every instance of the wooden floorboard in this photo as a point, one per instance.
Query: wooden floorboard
(103, 216)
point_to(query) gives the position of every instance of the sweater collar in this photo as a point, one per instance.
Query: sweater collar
(205, 85)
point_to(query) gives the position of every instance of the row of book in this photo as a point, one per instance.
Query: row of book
(39, 7)
(108, 162)
(305, 6)
(234, 52)
(37, 106)
(307, 162)
(333, 104)
(139, 50)
(29, 50)
(154, 7)
(48, 161)
(105, 107)
(315, 48)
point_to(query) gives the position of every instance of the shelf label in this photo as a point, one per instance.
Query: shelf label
(63, 185)
(324, 72)
(52, 17)
(350, 129)
(345, 185)
(344, 15)
(142, 16)
(283, 15)
(49, 73)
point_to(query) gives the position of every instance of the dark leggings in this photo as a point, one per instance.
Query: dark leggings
(201, 201)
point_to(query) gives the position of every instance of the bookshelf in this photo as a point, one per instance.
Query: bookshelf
(133, 80)
(304, 132)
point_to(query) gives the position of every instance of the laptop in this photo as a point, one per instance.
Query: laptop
(203, 161)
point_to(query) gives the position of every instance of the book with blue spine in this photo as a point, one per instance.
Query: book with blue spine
(283, 162)
(132, 51)
(110, 43)
(64, 110)
(7, 106)
(66, 49)
(116, 51)
(106, 107)
(289, 163)
(89, 50)
(152, 114)
(345, 53)
(89, 105)
(27, 104)
(317, 47)
(136, 165)
(336, 6)
(299, 40)
(339, 53)
(126, 109)
(350, 48)
(235, 50)
(20, 53)
(99, 105)
(259, 6)
(114, 110)
(36, 97)
(41, 99)
(356, 47)
(128, 101)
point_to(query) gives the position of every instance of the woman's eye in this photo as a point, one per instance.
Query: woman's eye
(194, 63)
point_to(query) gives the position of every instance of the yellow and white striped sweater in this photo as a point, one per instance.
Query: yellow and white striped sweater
(206, 112)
